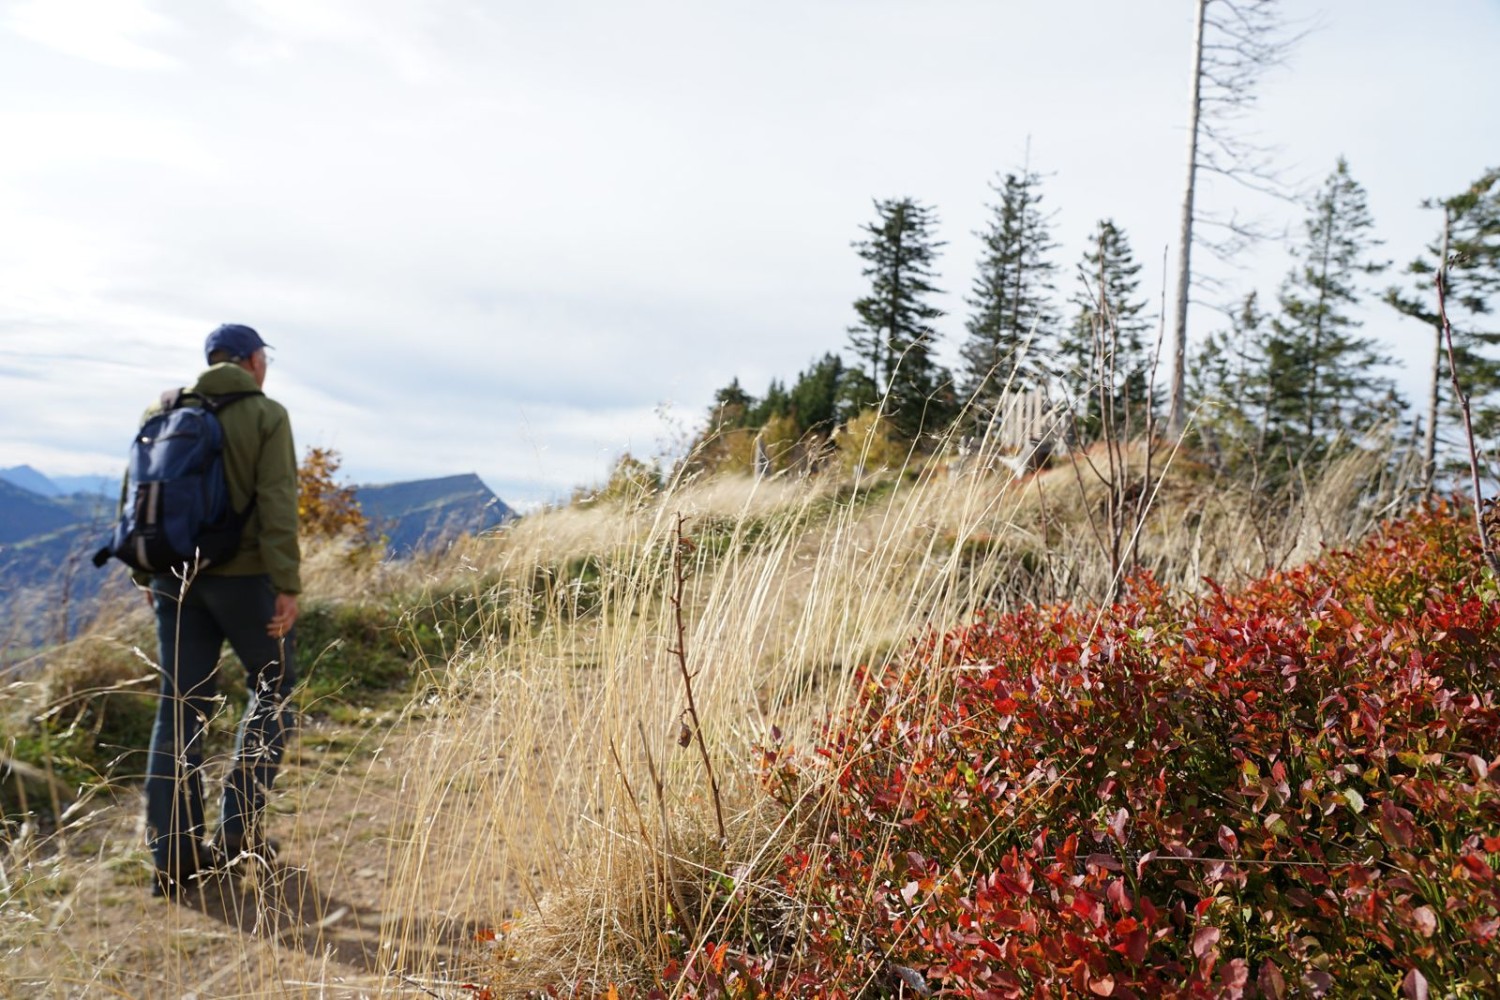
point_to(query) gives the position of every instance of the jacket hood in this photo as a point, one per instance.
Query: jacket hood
(225, 378)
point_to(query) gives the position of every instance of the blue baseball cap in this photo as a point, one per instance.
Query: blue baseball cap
(238, 340)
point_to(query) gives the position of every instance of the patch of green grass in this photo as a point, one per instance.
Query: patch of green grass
(350, 654)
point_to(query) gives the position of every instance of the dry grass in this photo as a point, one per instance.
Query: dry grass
(537, 785)
(597, 830)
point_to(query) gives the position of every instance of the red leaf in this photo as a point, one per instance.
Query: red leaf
(1117, 824)
(1271, 982)
(1205, 941)
(1228, 842)
(1414, 986)
(1149, 912)
(1397, 824)
(1235, 975)
(1103, 986)
(1118, 895)
(1478, 866)
(1424, 920)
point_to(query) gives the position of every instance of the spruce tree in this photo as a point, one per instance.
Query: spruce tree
(1011, 326)
(815, 396)
(1467, 251)
(775, 403)
(1227, 390)
(894, 337)
(731, 406)
(1105, 358)
(1322, 375)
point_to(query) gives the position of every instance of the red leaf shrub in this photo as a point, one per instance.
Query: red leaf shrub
(1274, 792)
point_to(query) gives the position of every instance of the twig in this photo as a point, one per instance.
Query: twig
(669, 850)
(1463, 403)
(408, 980)
(679, 581)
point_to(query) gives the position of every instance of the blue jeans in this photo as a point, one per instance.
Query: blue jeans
(191, 627)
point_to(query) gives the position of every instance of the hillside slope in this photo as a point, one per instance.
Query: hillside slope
(24, 514)
(544, 799)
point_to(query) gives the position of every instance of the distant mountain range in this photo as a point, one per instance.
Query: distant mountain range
(428, 512)
(49, 527)
(28, 478)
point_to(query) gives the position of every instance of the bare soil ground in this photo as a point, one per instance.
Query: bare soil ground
(327, 919)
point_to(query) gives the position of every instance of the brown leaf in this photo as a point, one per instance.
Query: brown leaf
(913, 980)
(1414, 986)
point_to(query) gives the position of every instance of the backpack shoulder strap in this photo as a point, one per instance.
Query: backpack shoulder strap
(217, 404)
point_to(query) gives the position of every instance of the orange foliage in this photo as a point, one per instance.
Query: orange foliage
(324, 508)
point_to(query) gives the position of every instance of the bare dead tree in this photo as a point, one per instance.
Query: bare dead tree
(1464, 261)
(1234, 43)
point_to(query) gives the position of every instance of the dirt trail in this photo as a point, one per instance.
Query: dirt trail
(325, 920)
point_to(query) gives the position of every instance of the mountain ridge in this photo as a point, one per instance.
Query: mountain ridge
(46, 541)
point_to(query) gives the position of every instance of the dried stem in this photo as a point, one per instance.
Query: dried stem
(669, 850)
(1463, 404)
(683, 546)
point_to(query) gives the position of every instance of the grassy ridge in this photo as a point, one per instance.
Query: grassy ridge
(541, 789)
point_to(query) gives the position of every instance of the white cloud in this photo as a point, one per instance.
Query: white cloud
(46, 140)
(395, 33)
(109, 32)
(492, 237)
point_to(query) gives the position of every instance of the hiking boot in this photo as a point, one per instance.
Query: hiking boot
(235, 851)
(170, 883)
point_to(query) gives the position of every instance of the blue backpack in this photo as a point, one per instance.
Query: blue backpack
(176, 510)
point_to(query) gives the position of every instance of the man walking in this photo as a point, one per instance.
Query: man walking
(250, 599)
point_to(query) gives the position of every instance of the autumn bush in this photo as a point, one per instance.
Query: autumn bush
(1288, 790)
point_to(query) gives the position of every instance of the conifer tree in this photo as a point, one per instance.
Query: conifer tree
(775, 403)
(814, 398)
(1105, 359)
(1228, 391)
(1011, 326)
(1468, 243)
(731, 407)
(1322, 376)
(894, 337)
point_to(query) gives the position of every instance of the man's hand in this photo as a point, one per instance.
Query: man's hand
(284, 617)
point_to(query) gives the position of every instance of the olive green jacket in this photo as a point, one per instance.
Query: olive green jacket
(260, 461)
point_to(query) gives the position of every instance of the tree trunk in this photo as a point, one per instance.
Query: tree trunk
(1176, 409)
(1434, 398)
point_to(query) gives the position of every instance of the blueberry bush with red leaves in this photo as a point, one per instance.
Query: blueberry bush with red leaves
(1289, 790)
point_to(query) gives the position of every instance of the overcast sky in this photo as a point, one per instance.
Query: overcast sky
(505, 238)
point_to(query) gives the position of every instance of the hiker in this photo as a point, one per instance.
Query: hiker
(250, 599)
